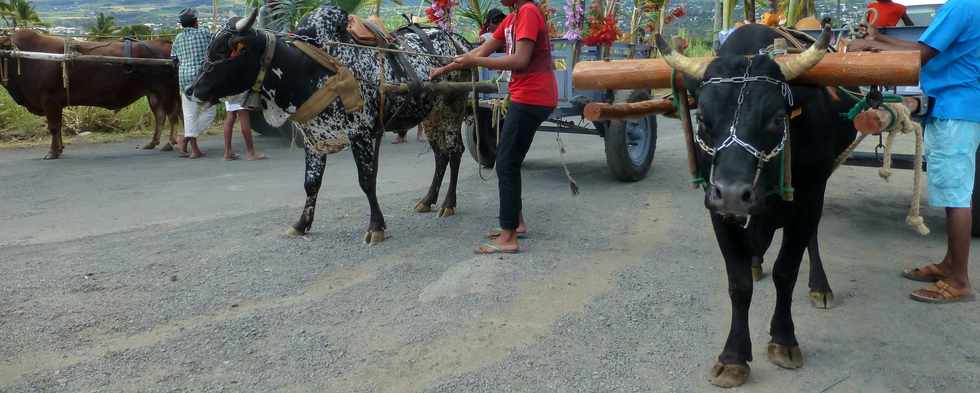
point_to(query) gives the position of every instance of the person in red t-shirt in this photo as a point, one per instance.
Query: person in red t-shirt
(533, 96)
(889, 13)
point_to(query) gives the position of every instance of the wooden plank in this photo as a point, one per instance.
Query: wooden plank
(89, 58)
(600, 111)
(444, 87)
(894, 68)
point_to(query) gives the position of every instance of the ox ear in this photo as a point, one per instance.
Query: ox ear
(245, 25)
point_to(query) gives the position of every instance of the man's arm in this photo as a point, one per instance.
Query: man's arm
(515, 61)
(875, 41)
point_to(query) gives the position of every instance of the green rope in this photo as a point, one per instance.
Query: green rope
(676, 102)
(862, 104)
(782, 176)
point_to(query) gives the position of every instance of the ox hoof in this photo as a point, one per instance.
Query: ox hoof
(785, 357)
(447, 212)
(293, 232)
(729, 375)
(822, 299)
(422, 207)
(150, 145)
(52, 155)
(167, 147)
(374, 237)
(757, 272)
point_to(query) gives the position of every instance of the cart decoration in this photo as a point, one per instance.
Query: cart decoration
(441, 13)
(602, 28)
(574, 19)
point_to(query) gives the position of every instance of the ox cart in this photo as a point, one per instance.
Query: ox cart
(629, 143)
(905, 161)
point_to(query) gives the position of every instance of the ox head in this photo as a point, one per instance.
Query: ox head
(743, 123)
(233, 61)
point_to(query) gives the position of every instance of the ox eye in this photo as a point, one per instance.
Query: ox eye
(778, 123)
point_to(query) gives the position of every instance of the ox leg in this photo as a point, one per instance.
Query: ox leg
(821, 296)
(784, 349)
(430, 198)
(449, 204)
(159, 117)
(54, 127)
(365, 151)
(315, 163)
(732, 368)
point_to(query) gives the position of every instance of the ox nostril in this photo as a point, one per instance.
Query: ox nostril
(747, 196)
(716, 193)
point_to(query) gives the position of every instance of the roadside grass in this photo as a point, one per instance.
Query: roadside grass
(20, 128)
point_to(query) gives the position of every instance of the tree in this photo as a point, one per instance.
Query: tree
(104, 28)
(19, 13)
(140, 32)
(476, 11)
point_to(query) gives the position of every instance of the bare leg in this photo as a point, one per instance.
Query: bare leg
(229, 128)
(246, 123)
(195, 150)
(959, 223)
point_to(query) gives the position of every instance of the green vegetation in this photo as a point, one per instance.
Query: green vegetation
(19, 13)
(104, 28)
(140, 32)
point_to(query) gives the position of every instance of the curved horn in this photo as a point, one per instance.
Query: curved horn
(693, 67)
(244, 25)
(801, 64)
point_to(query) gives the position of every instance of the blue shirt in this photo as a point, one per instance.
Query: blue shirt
(952, 77)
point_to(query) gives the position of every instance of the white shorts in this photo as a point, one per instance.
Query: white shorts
(197, 116)
(235, 103)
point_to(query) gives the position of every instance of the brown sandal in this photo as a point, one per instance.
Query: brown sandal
(927, 273)
(942, 292)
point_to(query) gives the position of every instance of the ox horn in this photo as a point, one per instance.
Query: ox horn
(244, 25)
(693, 67)
(809, 58)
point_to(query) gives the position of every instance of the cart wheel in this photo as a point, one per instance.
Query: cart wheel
(488, 139)
(976, 200)
(631, 143)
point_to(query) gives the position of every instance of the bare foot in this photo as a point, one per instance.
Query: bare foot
(196, 155)
(231, 157)
(398, 140)
(255, 156)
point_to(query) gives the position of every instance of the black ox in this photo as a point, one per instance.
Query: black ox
(746, 118)
(234, 62)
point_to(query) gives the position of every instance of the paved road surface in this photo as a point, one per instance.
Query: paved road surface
(127, 270)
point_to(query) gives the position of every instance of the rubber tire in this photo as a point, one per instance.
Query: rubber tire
(488, 139)
(618, 159)
(976, 199)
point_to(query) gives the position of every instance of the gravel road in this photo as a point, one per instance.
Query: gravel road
(135, 271)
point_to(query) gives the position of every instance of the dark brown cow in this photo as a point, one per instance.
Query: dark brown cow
(38, 86)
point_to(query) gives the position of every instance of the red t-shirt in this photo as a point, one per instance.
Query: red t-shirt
(536, 84)
(888, 13)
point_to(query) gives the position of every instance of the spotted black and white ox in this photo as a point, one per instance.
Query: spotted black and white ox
(234, 60)
(745, 120)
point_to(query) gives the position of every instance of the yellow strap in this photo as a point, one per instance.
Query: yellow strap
(342, 85)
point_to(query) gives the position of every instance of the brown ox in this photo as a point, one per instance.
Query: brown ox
(38, 86)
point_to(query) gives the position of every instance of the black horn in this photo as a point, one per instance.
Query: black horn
(246, 24)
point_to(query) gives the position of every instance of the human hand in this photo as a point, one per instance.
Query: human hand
(870, 32)
(465, 61)
(439, 71)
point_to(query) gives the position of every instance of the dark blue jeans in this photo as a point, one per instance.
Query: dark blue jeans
(516, 135)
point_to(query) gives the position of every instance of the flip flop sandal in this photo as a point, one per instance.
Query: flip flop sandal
(493, 234)
(489, 248)
(940, 292)
(927, 273)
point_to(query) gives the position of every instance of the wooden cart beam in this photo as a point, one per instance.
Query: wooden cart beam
(600, 111)
(91, 58)
(895, 68)
(445, 87)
